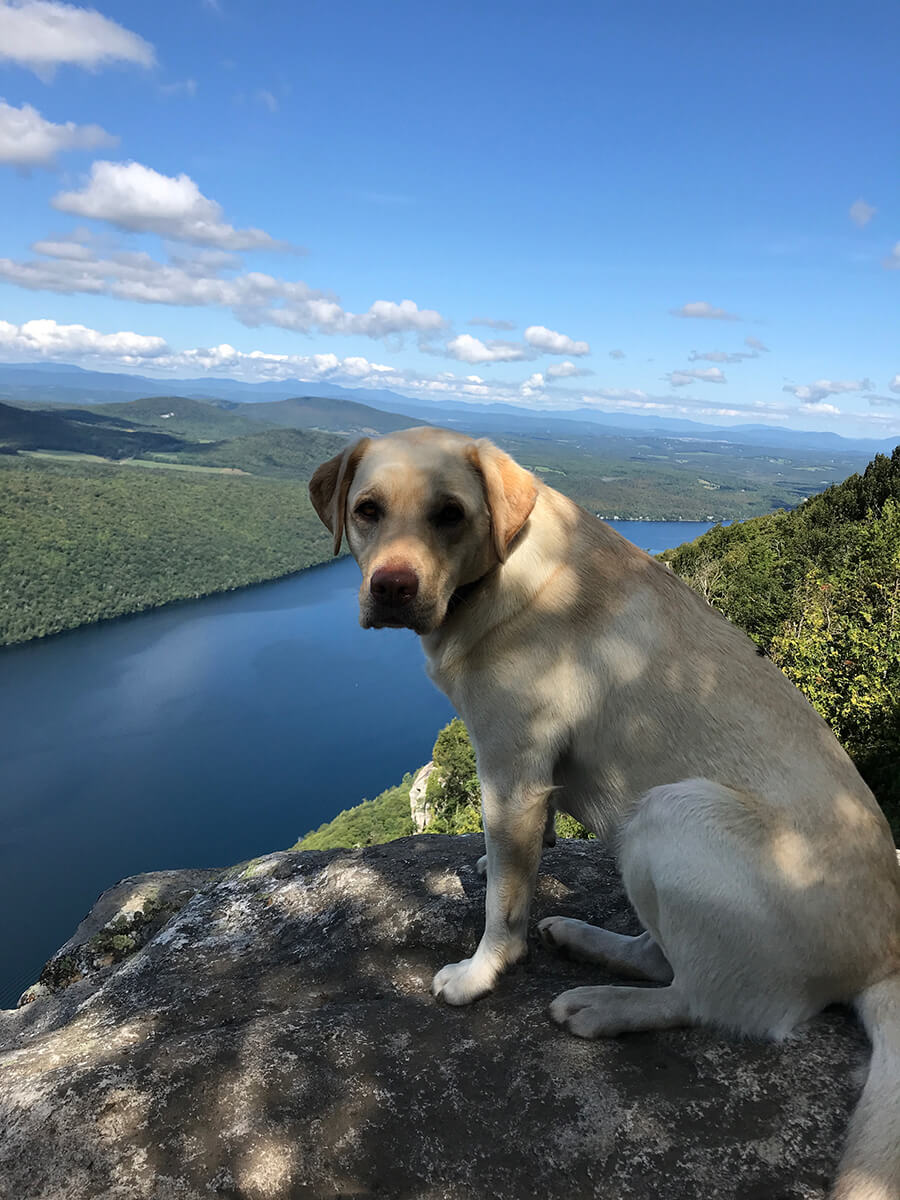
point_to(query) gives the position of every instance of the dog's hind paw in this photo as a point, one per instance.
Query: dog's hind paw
(481, 866)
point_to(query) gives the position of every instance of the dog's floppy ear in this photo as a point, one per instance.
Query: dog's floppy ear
(329, 486)
(509, 489)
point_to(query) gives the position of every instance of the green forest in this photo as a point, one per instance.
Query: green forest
(80, 542)
(818, 589)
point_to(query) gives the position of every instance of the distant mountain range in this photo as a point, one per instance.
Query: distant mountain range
(354, 409)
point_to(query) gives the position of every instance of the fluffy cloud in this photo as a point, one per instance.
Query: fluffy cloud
(533, 385)
(548, 341)
(815, 393)
(43, 34)
(883, 401)
(565, 369)
(756, 344)
(617, 354)
(861, 213)
(700, 308)
(828, 410)
(138, 199)
(467, 348)
(71, 266)
(46, 339)
(29, 140)
(682, 378)
(892, 262)
(383, 317)
(152, 355)
(894, 385)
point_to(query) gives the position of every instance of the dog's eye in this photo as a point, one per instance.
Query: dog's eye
(448, 515)
(367, 511)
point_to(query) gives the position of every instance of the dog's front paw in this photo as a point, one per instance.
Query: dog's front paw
(463, 982)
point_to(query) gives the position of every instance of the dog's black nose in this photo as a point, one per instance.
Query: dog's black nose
(394, 586)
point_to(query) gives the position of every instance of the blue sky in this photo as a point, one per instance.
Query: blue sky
(683, 209)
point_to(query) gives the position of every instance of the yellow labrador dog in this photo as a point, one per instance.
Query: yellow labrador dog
(592, 679)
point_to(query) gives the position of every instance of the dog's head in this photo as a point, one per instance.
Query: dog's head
(425, 512)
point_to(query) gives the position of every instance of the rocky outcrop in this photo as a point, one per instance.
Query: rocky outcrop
(276, 1040)
(126, 917)
(418, 808)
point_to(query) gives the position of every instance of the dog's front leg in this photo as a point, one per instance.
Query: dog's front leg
(514, 822)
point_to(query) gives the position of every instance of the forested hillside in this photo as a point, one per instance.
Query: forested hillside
(819, 590)
(79, 543)
(281, 453)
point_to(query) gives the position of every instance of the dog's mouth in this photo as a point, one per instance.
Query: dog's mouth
(406, 617)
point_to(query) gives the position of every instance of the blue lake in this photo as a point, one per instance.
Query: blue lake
(200, 734)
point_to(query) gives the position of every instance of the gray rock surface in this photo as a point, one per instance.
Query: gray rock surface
(276, 1039)
(418, 808)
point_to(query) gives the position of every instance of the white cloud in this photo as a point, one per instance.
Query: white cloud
(894, 385)
(43, 34)
(861, 213)
(492, 323)
(707, 375)
(65, 249)
(533, 385)
(756, 344)
(382, 318)
(564, 369)
(700, 308)
(136, 198)
(883, 401)
(29, 140)
(255, 298)
(814, 393)
(617, 354)
(47, 339)
(892, 262)
(828, 410)
(467, 348)
(548, 341)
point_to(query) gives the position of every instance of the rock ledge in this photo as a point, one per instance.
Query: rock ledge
(275, 1040)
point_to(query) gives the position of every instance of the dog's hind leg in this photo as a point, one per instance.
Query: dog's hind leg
(632, 957)
(594, 1012)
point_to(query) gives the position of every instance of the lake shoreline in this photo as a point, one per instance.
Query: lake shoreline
(144, 609)
(178, 602)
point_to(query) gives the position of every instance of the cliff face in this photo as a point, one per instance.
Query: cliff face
(276, 1039)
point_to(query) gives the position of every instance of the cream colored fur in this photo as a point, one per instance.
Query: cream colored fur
(592, 679)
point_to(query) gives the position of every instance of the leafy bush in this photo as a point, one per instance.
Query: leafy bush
(819, 590)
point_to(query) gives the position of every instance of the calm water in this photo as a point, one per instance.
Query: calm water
(199, 735)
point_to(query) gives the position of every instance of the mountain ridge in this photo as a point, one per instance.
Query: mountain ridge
(61, 379)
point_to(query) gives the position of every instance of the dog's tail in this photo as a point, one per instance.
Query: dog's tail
(870, 1168)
